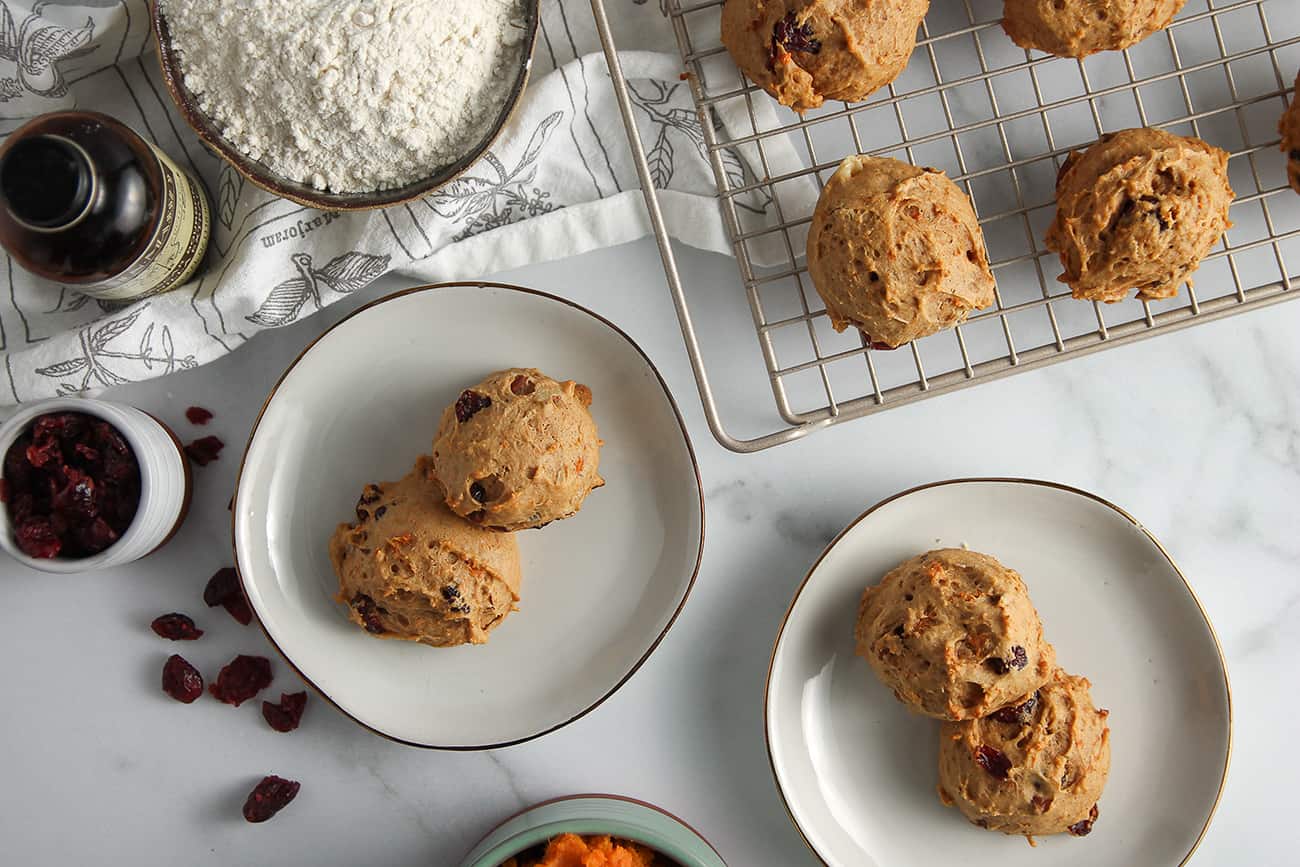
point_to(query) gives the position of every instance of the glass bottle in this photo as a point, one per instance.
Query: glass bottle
(88, 203)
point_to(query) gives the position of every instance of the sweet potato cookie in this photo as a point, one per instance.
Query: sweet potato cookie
(1077, 28)
(1034, 769)
(896, 251)
(1138, 209)
(410, 569)
(954, 635)
(518, 450)
(806, 51)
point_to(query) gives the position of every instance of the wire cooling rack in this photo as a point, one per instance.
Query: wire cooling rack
(999, 120)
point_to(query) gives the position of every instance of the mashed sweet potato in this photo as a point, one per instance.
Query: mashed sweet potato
(570, 850)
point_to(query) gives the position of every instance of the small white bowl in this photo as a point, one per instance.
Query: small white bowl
(165, 483)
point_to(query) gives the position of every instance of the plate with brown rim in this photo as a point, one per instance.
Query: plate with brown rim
(859, 773)
(600, 589)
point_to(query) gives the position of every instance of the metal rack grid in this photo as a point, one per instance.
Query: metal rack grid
(999, 120)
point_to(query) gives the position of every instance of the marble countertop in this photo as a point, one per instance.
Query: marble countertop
(1196, 433)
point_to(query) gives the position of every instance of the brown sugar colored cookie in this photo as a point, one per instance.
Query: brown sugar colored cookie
(896, 251)
(806, 51)
(1077, 28)
(518, 450)
(952, 632)
(1034, 769)
(1289, 127)
(1138, 209)
(410, 569)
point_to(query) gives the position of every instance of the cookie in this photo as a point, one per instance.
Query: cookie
(806, 51)
(518, 450)
(1081, 27)
(1138, 209)
(1034, 769)
(952, 632)
(896, 251)
(410, 569)
(1289, 127)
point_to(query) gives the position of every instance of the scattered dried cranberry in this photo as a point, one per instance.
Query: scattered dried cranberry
(1083, 827)
(993, 760)
(198, 415)
(1019, 714)
(368, 612)
(241, 679)
(789, 35)
(522, 385)
(71, 486)
(269, 797)
(224, 589)
(181, 680)
(204, 450)
(1040, 804)
(176, 627)
(469, 403)
(285, 716)
(1017, 660)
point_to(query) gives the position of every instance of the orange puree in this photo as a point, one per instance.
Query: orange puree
(570, 850)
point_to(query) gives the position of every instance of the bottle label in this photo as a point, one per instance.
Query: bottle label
(176, 248)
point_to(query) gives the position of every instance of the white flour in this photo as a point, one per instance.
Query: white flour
(350, 95)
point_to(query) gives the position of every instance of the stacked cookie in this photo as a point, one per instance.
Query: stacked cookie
(432, 557)
(1022, 748)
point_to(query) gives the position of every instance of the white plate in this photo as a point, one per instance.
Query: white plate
(599, 590)
(858, 772)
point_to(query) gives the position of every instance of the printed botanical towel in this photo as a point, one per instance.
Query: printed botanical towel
(560, 181)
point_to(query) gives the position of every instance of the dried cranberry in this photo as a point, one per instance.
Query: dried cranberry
(36, 538)
(241, 679)
(368, 612)
(181, 680)
(198, 415)
(1040, 804)
(1083, 827)
(469, 403)
(269, 797)
(285, 716)
(993, 760)
(224, 589)
(789, 35)
(176, 627)
(1020, 714)
(522, 385)
(1017, 660)
(204, 450)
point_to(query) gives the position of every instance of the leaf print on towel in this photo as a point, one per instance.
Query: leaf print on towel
(656, 98)
(486, 203)
(37, 46)
(343, 274)
(92, 366)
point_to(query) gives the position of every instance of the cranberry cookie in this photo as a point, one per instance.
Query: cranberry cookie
(1138, 209)
(954, 635)
(1289, 127)
(1077, 28)
(806, 51)
(410, 569)
(518, 450)
(896, 251)
(1036, 768)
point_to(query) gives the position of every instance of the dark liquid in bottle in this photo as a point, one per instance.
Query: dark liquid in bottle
(79, 197)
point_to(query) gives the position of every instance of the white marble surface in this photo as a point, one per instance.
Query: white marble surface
(1196, 433)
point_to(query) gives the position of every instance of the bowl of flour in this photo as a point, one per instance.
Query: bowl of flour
(347, 104)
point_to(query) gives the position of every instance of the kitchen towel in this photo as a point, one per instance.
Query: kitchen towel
(558, 182)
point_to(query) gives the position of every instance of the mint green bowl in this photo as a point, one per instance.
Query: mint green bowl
(616, 816)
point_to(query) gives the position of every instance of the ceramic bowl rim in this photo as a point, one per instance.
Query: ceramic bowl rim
(686, 441)
(1059, 486)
